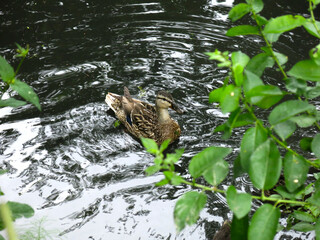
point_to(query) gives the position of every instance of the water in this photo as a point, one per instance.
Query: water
(69, 162)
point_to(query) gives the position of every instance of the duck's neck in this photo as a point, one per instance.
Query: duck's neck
(163, 115)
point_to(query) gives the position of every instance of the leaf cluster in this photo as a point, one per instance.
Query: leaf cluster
(262, 146)
(9, 80)
(11, 211)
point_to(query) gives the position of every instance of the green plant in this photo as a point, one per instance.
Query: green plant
(242, 95)
(38, 230)
(9, 80)
(12, 210)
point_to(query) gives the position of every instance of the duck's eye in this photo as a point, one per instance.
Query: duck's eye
(164, 99)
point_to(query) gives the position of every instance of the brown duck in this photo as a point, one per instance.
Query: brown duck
(142, 119)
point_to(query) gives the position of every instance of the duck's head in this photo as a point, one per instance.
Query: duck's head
(165, 100)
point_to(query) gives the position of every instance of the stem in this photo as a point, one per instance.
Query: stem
(272, 52)
(262, 197)
(269, 46)
(214, 189)
(7, 220)
(20, 63)
(312, 17)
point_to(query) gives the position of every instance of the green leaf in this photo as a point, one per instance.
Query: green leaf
(284, 23)
(315, 145)
(26, 92)
(312, 92)
(162, 183)
(239, 228)
(216, 94)
(258, 63)
(315, 198)
(295, 171)
(206, 160)
(311, 28)
(257, 5)
(304, 120)
(187, 209)
(117, 123)
(19, 210)
(243, 30)
(11, 102)
(239, 58)
(252, 138)
(286, 194)
(217, 172)
(265, 165)
(261, 20)
(296, 86)
(315, 2)
(264, 223)
(164, 145)
(6, 71)
(303, 227)
(173, 178)
(251, 80)
(317, 115)
(239, 203)
(150, 145)
(238, 11)
(272, 37)
(288, 109)
(285, 129)
(305, 144)
(173, 158)
(237, 168)
(225, 128)
(264, 96)
(303, 216)
(239, 61)
(229, 100)
(216, 55)
(236, 119)
(22, 52)
(2, 238)
(314, 54)
(317, 228)
(316, 212)
(152, 169)
(306, 70)
(243, 120)
(281, 58)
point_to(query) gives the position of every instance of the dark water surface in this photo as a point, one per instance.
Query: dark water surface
(69, 162)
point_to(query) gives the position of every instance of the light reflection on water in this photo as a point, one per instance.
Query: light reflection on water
(69, 162)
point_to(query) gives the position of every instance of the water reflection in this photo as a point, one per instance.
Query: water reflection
(69, 162)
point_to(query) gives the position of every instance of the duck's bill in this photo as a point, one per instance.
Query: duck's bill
(175, 107)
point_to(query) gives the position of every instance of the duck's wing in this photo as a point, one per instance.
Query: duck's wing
(144, 119)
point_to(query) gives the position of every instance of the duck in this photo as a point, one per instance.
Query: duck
(224, 233)
(142, 119)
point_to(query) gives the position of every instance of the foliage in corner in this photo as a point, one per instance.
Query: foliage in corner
(9, 80)
(261, 157)
(11, 211)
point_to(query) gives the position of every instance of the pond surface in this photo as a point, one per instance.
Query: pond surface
(81, 174)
